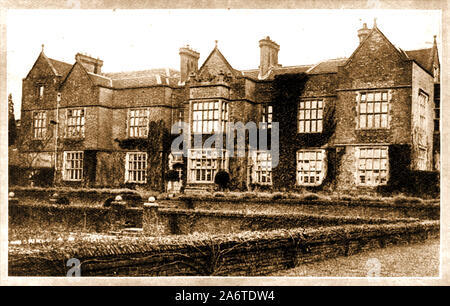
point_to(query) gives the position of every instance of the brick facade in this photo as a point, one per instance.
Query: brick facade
(331, 95)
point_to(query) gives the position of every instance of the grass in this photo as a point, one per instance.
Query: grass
(414, 260)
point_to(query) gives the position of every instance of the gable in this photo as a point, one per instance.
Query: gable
(376, 62)
(78, 87)
(215, 64)
(41, 68)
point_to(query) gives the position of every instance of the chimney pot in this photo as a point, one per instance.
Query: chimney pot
(91, 64)
(268, 55)
(363, 32)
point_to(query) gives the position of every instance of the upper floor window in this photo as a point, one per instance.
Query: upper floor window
(41, 89)
(423, 101)
(436, 74)
(372, 165)
(138, 122)
(73, 166)
(437, 115)
(262, 167)
(310, 116)
(373, 110)
(39, 124)
(180, 115)
(136, 167)
(311, 167)
(224, 117)
(203, 164)
(267, 115)
(209, 116)
(75, 122)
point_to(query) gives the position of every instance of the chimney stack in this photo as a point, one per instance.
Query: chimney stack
(91, 64)
(363, 32)
(188, 63)
(268, 56)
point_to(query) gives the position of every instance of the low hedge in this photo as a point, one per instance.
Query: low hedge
(112, 252)
(398, 202)
(287, 217)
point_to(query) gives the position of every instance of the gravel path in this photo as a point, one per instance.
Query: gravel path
(415, 260)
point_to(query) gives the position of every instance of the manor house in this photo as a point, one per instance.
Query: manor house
(348, 123)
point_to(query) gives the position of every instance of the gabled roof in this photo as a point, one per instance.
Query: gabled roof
(424, 57)
(58, 68)
(61, 68)
(291, 69)
(216, 50)
(99, 79)
(142, 78)
(327, 66)
(373, 30)
(251, 74)
(132, 79)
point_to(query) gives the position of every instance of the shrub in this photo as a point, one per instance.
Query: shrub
(108, 202)
(344, 198)
(219, 195)
(62, 200)
(401, 199)
(279, 196)
(249, 195)
(132, 199)
(311, 197)
(222, 179)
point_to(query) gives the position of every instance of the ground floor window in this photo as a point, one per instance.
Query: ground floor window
(73, 166)
(136, 167)
(311, 167)
(205, 163)
(422, 159)
(372, 166)
(262, 167)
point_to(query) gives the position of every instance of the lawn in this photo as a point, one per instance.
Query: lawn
(414, 260)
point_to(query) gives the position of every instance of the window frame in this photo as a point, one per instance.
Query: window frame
(267, 115)
(215, 119)
(258, 170)
(372, 163)
(323, 167)
(437, 116)
(422, 112)
(360, 101)
(302, 106)
(42, 128)
(79, 170)
(82, 125)
(40, 91)
(422, 158)
(219, 161)
(138, 127)
(143, 170)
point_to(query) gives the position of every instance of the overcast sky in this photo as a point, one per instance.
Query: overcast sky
(143, 39)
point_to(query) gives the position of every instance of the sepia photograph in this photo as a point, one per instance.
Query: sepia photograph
(279, 143)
